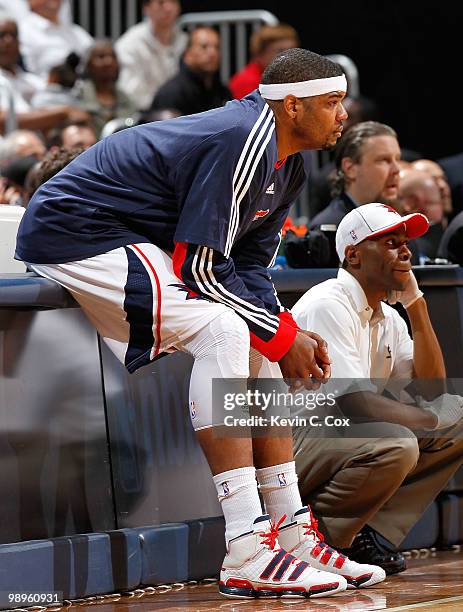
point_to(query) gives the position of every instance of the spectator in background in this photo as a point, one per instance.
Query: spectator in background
(197, 87)
(72, 134)
(367, 170)
(25, 86)
(58, 91)
(150, 51)
(453, 168)
(13, 177)
(435, 171)
(360, 109)
(264, 45)
(18, 9)
(8, 195)
(21, 143)
(418, 192)
(19, 151)
(78, 136)
(98, 91)
(46, 41)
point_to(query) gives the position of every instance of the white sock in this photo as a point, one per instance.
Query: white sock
(278, 485)
(239, 497)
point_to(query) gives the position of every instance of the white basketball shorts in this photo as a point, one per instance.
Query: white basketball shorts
(135, 301)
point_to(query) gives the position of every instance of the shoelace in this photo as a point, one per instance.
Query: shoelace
(313, 531)
(270, 537)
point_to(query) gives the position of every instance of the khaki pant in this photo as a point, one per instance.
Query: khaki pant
(386, 482)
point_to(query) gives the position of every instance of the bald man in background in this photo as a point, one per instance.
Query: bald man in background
(433, 169)
(419, 192)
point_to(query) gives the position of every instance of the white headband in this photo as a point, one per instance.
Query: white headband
(303, 89)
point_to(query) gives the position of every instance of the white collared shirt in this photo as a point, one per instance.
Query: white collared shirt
(44, 44)
(361, 344)
(24, 86)
(18, 9)
(146, 63)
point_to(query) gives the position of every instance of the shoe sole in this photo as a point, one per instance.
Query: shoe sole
(234, 592)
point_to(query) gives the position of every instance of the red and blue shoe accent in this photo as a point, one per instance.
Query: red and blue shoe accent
(255, 566)
(303, 539)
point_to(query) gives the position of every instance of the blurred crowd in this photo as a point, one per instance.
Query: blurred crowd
(70, 90)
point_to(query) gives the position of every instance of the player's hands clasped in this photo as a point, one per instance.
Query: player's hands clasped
(306, 361)
(448, 409)
(408, 296)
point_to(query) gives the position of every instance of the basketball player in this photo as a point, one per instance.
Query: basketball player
(163, 233)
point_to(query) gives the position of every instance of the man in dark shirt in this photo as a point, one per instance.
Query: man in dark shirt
(453, 168)
(451, 244)
(197, 86)
(366, 171)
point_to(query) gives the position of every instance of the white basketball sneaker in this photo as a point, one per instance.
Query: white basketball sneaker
(303, 540)
(255, 566)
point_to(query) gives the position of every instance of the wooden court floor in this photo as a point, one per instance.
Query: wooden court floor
(432, 584)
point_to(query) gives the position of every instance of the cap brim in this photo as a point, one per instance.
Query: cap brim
(416, 225)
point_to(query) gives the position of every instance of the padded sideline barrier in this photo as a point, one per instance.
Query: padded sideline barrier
(98, 563)
(206, 547)
(77, 566)
(451, 519)
(164, 552)
(117, 561)
(425, 532)
(126, 560)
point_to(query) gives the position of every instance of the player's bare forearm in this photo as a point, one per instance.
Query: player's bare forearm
(365, 406)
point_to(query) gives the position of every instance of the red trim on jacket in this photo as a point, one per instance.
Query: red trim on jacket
(179, 257)
(287, 317)
(281, 342)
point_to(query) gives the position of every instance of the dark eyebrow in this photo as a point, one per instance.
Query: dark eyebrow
(338, 95)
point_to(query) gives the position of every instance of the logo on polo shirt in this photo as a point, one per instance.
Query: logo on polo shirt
(193, 412)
